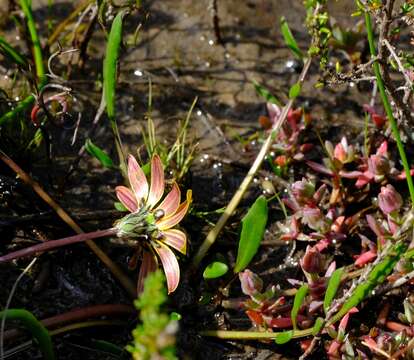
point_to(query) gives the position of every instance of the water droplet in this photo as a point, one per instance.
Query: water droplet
(202, 38)
(207, 64)
(17, 98)
(199, 113)
(211, 42)
(138, 72)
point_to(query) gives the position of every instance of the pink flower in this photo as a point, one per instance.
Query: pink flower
(152, 218)
(389, 200)
(251, 283)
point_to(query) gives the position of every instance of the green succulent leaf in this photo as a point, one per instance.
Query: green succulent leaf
(283, 337)
(297, 303)
(215, 270)
(253, 228)
(332, 288)
(294, 91)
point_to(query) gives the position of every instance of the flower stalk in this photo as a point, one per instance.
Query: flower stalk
(53, 244)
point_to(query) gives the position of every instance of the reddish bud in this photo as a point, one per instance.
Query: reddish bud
(312, 261)
(251, 283)
(303, 191)
(389, 200)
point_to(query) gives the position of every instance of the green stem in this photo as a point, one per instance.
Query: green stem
(252, 335)
(387, 106)
(37, 49)
(35, 327)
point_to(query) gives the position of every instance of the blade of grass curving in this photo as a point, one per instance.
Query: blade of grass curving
(99, 154)
(387, 106)
(266, 94)
(290, 39)
(332, 288)
(253, 228)
(35, 327)
(11, 53)
(110, 77)
(297, 303)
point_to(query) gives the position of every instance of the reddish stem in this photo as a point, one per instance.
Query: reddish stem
(53, 244)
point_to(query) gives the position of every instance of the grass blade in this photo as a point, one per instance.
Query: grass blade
(11, 53)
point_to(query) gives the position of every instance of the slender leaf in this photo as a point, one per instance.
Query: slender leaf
(289, 39)
(297, 303)
(253, 227)
(99, 154)
(332, 288)
(294, 91)
(317, 327)
(266, 94)
(11, 53)
(283, 337)
(215, 270)
(35, 327)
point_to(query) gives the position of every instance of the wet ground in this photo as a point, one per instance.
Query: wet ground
(178, 51)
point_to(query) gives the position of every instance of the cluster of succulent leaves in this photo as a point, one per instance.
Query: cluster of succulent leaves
(154, 336)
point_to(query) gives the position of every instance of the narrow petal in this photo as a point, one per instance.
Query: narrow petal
(168, 222)
(148, 266)
(157, 182)
(170, 265)
(171, 202)
(175, 239)
(127, 198)
(137, 179)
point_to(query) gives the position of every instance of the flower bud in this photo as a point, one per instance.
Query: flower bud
(313, 217)
(344, 152)
(312, 261)
(303, 191)
(389, 199)
(378, 165)
(251, 283)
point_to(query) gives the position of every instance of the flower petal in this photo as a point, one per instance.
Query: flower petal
(171, 202)
(175, 239)
(148, 266)
(137, 179)
(127, 198)
(157, 182)
(168, 222)
(170, 265)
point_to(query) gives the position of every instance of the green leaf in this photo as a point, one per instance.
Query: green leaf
(110, 63)
(317, 327)
(215, 270)
(99, 154)
(253, 227)
(297, 303)
(175, 316)
(283, 337)
(35, 327)
(295, 91)
(266, 94)
(332, 288)
(11, 53)
(120, 207)
(289, 39)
